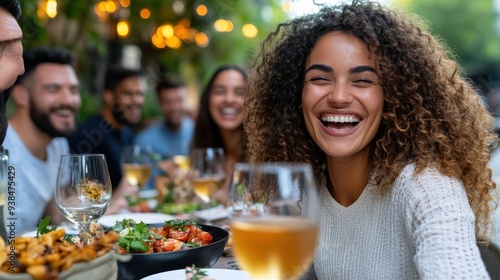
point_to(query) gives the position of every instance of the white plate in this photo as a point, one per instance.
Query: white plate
(148, 193)
(219, 274)
(212, 214)
(69, 231)
(148, 218)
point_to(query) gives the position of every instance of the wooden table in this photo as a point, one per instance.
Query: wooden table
(224, 260)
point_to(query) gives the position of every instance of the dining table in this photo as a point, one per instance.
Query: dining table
(227, 259)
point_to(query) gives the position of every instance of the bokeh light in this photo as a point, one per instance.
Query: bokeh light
(201, 39)
(202, 10)
(145, 13)
(249, 30)
(123, 28)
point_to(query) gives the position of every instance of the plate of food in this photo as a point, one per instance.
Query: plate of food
(148, 218)
(51, 255)
(202, 274)
(170, 245)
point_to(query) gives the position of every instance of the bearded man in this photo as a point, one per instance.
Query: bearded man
(111, 130)
(46, 98)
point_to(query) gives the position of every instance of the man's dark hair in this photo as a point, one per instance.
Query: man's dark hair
(37, 56)
(12, 6)
(169, 81)
(116, 74)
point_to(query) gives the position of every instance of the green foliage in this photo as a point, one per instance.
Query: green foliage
(468, 28)
(78, 28)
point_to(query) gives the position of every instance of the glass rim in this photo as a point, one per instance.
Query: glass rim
(81, 155)
(277, 165)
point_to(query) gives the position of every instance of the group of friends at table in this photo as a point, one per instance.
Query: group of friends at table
(398, 138)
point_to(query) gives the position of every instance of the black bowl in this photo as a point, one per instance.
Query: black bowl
(142, 265)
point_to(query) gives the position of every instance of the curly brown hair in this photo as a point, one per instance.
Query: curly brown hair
(432, 115)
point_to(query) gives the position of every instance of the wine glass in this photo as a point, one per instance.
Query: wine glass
(83, 188)
(207, 172)
(182, 161)
(273, 209)
(137, 164)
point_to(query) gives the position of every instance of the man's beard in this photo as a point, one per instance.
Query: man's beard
(43, 123)
(118, 114)
(173, 126)
(4, 96)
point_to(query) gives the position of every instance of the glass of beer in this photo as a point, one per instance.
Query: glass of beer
(137, 164)
(273, 208)
(207, 172)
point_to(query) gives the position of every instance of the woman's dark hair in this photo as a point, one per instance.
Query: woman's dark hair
(206, 132)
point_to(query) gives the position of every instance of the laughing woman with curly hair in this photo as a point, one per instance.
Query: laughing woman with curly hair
(398, 139)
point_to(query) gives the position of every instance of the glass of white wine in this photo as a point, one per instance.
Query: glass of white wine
(273, 209)
(137, 164)
(83, 188)
(182, 161)
(207, 173)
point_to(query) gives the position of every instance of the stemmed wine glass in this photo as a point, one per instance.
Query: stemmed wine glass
(83, 188)
(207, 173)
(273, 209)
(137, 164)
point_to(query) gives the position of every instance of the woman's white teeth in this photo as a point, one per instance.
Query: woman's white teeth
(340, 119)
(229, 111)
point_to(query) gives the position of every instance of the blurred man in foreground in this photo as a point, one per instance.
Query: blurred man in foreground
(46, 98)
(11, 65)
(11, 55)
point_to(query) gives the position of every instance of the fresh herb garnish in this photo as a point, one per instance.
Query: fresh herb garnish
(192, 245)
(125, 223)
(196, 272)
(44, 226)
(69, 239)
(137, 237)
(179, 224)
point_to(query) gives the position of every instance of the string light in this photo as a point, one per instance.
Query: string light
(125, 3)
(249, 30)
(165, 30)
(202, 10)
(145, 13)
(110, 6)
(201, 39)
(51, 8)
(158, 41)
(123, 28)
(223, 25)
(173, 42)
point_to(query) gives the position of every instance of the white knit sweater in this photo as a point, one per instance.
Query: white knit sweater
(423, 228)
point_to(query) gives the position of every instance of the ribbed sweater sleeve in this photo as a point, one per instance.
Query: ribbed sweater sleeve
(423, 228)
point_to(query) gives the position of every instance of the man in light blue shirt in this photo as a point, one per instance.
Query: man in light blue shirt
(171, 136)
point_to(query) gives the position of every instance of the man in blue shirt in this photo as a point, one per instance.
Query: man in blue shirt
(171, 136)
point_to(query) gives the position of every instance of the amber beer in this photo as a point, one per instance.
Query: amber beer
(182, 161)
(136, 174)
(274, 247)
(205, 187)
